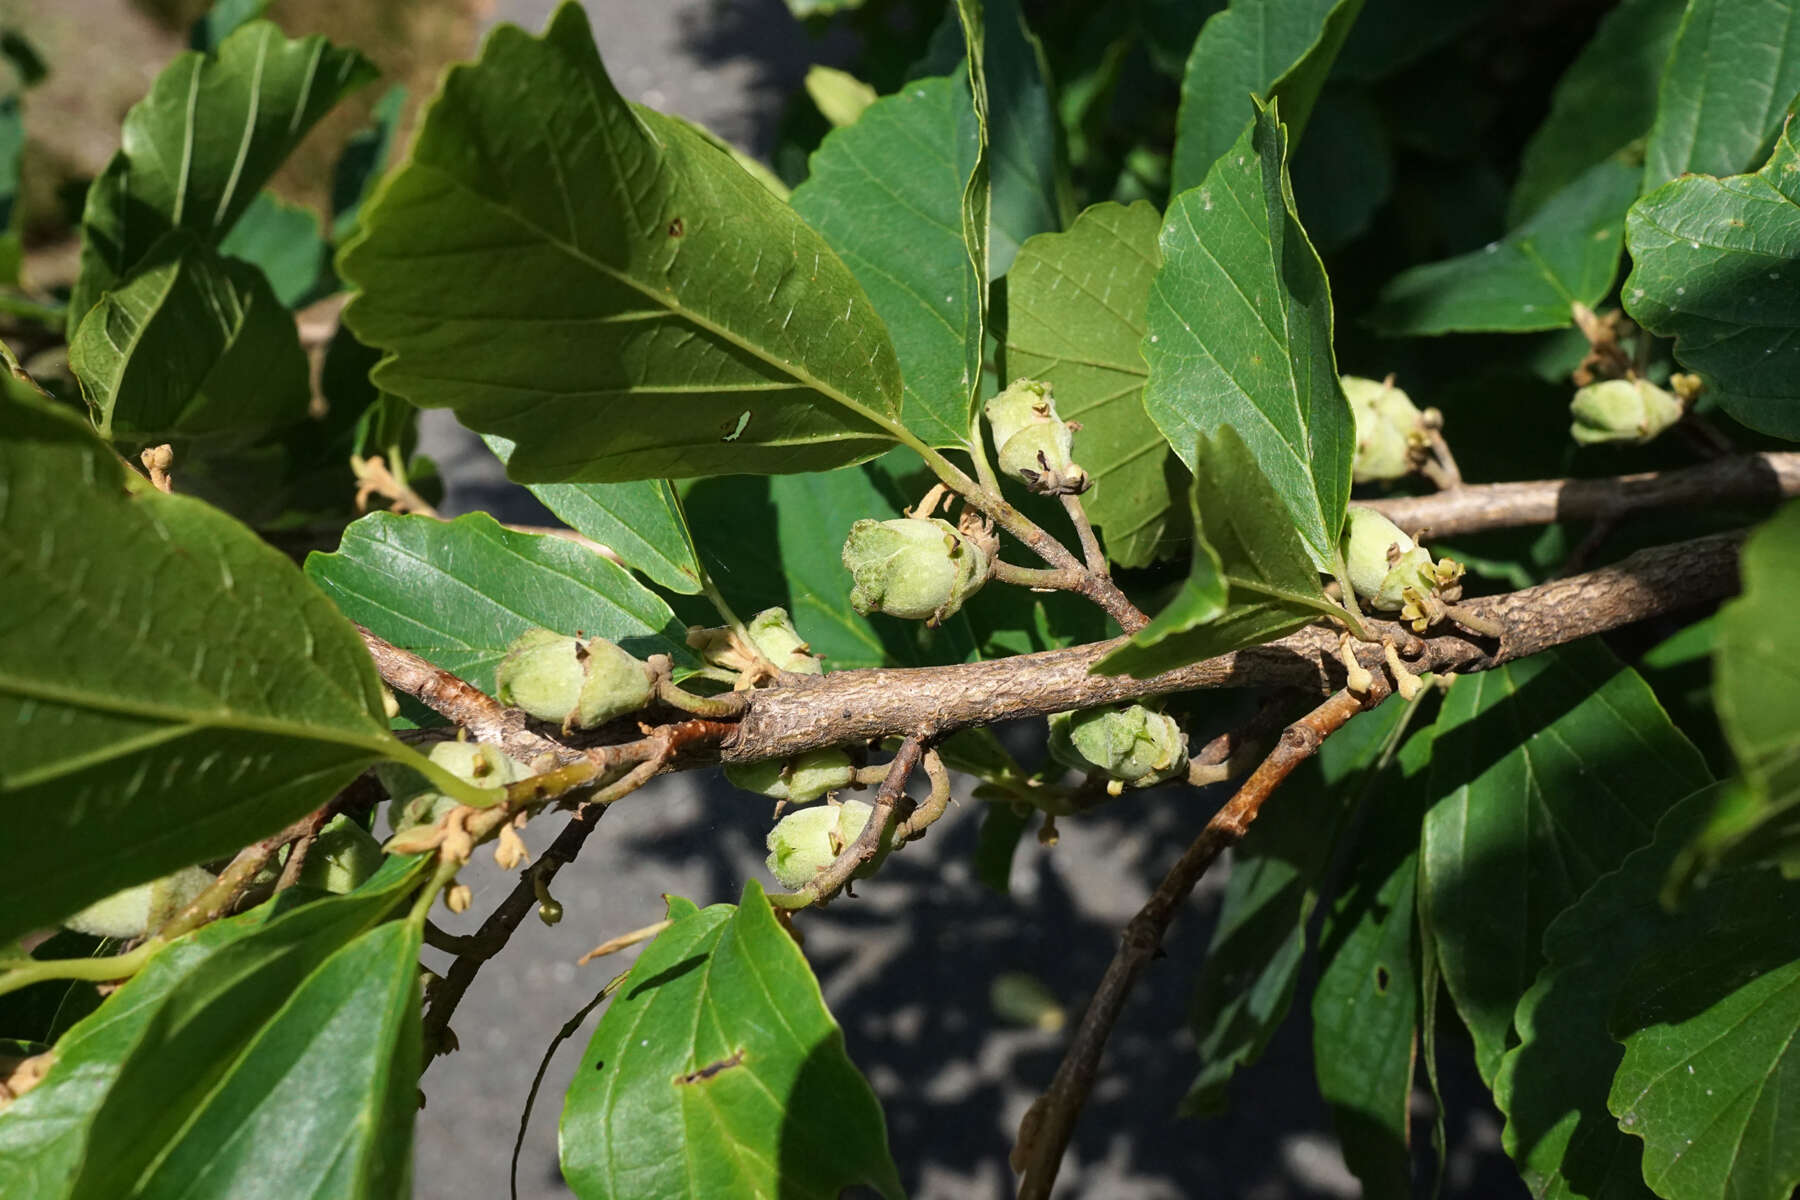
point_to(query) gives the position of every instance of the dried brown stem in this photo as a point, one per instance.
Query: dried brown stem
(1471, 508)
(224, 891)
(927, 814)
(1044, 1134)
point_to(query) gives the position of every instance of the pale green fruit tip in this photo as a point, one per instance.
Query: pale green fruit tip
(575, 683)
(772, 632)
(341, 857)
(800, 780)
(805, 842)
(1391, 434)
(1622, 410)
(138, 910)
(1132, 745)
(919, 569)
(1033, 443)
(1388, 570)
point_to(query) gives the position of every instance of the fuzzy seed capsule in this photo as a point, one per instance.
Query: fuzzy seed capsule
(1622, 410)
(578, 683)
(1034, 445)
(142, 909)
(1392, 438)
(805, 842)
(799, 780)
(916, 568)
(1392, 573)
(1132, 745)
(341, 857)
(772, 632)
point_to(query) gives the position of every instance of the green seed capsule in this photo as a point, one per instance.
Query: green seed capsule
(1131, 744)
(1622, 410)
(916, 568)
(800, 780)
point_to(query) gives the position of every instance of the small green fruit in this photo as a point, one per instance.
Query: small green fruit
(772, 632)
(1033, 443)
(564, 679)
(805, 842)
(416, 802)
(1392, 573)
(1391, 435)
(1132, 745)
(142, 909)
(800, 780)
(617, 683)
(1622, 410)
(341, 857)
(916, 568)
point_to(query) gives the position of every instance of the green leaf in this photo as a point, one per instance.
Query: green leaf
(599, 285)
(1246, 983)
(23, 69)
(1713, 266)
(1552, 1086)
(1265, 48)
(717, 1071)
(221, 20)
(1344, 173)
(640, 521)
(202, 144)
(1567, 253)
(361, 163)
(1603, 103)
(887, 194)
(1733, 70)
(1251, 580)
(129, 1076)
(1075, 305)
(171, 688)
(1756, 690)
(1365, 1008)
(1546, 773)
(190, 345)
(1240, 334)
(487, 586)
(327, 1115)
(1710, 1021)
(285, 243)
(1030, 190)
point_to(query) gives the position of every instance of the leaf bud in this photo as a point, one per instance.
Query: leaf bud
(1392, 436)
(916, 568)
(1033, 443)
(1622, 410)
(341, 857)
(142, 909)
(1130, 744)
(799, 780)
(1392, 573)
(564, 679)
(805, 842)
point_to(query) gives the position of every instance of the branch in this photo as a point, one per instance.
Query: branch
(486, 719)
(1471, 508)
(815, 711)
(1044, 1133)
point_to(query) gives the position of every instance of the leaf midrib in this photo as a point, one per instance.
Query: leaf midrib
(670, 304)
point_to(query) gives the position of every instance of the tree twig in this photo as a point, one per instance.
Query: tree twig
(831, 880)
(815, 711)
(1472, 508)
(1045, 1132)
(1084, 533)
